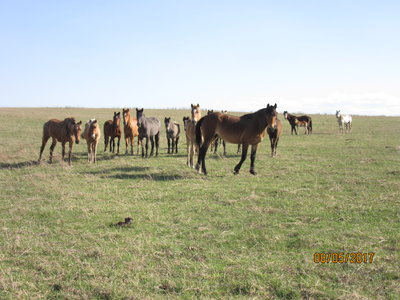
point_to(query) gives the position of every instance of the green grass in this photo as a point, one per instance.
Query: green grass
(220, 236)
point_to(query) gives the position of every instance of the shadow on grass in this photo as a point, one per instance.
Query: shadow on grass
(151, 177)
(18, 165)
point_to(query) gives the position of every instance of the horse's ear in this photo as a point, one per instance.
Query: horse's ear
(94, 122)
(268, 105)
(275, 106)
(80, 122)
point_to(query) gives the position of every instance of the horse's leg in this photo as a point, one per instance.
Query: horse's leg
(70, 152)
(188, 150)
(168, 142)
(201, 161)
(157, 139)
(111, 144)
(105, 142)
(53, 144)
(119, 138)
(44, 141)
(176, 145)
(126, 144)
(276, 145)
(89, 150)
(147, 145)
(95, 152)
(253, 158)
(152, 145)
(132, 138)
(63, 150)
(238, 149)
(173, 145)
(216, 145)
(141, 142)
(242, 159)
(272, 141)
(224, 145)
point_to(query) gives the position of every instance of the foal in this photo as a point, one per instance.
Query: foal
(67, 131)
(173, 130)
(112, 130)
(247, 130)
(190, 133)
(149, 128)
(92, 136)
(131, 130)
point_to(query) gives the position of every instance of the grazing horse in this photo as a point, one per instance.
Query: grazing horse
(173, 130)
(247, 130)
(148, 128)
(92, 136)
(294, 122)
(131, 130)
(190, 132)
(344, 121)
(67, 131)
(112, 130)
(274, 132)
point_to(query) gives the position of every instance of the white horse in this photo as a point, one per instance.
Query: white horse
(344, 121)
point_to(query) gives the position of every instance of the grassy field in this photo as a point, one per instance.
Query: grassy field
(220, 236)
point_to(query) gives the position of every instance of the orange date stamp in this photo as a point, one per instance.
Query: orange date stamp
(343, 258)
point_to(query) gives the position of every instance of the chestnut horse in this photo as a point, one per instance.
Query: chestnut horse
(92, 136)
(247, 130)
(190, 133)
(67, 131)
(130, 130)
(112, 130)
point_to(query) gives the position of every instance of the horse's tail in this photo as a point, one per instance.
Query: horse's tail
(310, 125)
(198, 132)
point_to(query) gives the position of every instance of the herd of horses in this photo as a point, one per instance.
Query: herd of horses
(201, 133)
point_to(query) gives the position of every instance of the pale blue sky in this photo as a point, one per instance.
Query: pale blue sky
(309, 56)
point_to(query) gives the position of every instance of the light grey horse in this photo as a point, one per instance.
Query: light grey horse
(148, 128)
(173, 130)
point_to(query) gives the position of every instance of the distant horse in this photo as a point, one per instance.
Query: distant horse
(247, 130)
(344, 121)
(294, 122)
(112, 130)
(173, 130)
(92, 136)
(67, 131)
(274, 133)
(148, 128)
(131, 130)
(304, 124)
(190, 133)
(218, 140)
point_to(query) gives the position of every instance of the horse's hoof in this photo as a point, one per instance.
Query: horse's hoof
(253, 172)
(235, 172)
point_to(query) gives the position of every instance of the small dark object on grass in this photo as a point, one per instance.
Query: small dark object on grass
(128, 221)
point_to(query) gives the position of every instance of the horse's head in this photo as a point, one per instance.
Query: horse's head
(271, 115)
(285, 114)
(76, 130)
(125, 115)
(117, 118)
(185, 120)
(92, 128)
(196, 112)
(139, 116)
(210, 111)
(224, 111)
(337, 113)
(167, 122)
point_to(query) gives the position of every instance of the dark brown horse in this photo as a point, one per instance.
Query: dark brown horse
(130, 130)
(294, 122)
(112, 130)
(274, 134)
(247, 130)
(67, 131)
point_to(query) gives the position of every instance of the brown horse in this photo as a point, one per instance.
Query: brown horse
(92, 136)
(274, 134)
(67, 131)
(304, 124)
(130, 130)
(247, 130)
(190, 132)
(112, 130)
